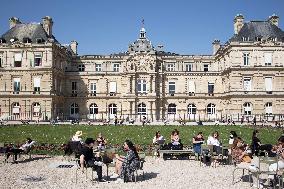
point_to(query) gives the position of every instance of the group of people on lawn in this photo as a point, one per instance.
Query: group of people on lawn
(244, 154)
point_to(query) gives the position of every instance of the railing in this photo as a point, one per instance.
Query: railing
(106, 117)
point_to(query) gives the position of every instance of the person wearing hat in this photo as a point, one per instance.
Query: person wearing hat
(77, 137)
(87, 158)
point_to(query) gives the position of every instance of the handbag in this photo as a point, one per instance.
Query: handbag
(246, 159)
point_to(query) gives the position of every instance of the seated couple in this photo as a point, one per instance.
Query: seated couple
(25, 148)
(126, 165)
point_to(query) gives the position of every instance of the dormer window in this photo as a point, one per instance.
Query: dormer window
(258, 38)
(2, 40)
(81, 68)
(13, 39)
(245, 38)
(27, 40)
(39, 40)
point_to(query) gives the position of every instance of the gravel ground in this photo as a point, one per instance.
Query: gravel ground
(42, 172)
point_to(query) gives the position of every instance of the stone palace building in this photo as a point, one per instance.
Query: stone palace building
(43, 79)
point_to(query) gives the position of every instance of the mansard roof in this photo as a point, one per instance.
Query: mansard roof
(255, 30)
(33, 31)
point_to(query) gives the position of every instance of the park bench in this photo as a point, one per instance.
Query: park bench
(188, 152)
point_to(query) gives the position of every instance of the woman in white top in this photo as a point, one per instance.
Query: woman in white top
(214, 140)
(77, 137)
(158, 138)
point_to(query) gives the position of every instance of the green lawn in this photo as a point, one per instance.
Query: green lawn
(60, 134)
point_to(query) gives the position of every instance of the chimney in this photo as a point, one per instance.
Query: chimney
(216, 45)
(73, 46)
(274, 19)
(14, 21)
(47, 25)
(238, 23)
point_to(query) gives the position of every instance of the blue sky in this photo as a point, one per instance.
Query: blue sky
(108, 26)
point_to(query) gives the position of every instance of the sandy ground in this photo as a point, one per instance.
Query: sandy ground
(42, 172)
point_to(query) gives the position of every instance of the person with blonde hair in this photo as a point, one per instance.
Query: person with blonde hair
(77, 137)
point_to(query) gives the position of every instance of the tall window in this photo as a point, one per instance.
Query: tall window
(98, 67)
(112, 109)
(1, 60)
(268, 85)
(190, 86)
(188, 67)
(191, 109)
(17, 85)
(36, 85)
(16, 108)
(18, 60)
(36, 109)
(74, 109)
(74, 88)
(210, 88)
(246, 59)
(141, 86)
(247, 108)
(93, 89)
(211, 108)
(247, 84)
(38, 59)
(172, 109)
(142, 109)
(267, 59)
(81, 67)
(172, 87)
(206, 67)
(94, 109)
(116, 67)
(268, 108)
(112, 87)
(170, 67)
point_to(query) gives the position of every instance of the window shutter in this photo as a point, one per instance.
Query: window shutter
(112, 86)
(191, 86)
(268, 58)
(18, 57)
(268, 84)
(36, 82)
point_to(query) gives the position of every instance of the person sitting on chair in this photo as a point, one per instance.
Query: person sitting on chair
(175, 140)
(214, 140)
(87, 158)
(101, 142)
(77, 137)
(197, 141)
(25, 148)
(126, 165)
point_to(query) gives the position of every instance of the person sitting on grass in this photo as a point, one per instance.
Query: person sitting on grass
(126, 165)
(101, 142)
(87, 158)
(25, 148)
(197, 141)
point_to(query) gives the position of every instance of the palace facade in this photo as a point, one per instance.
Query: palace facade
(43, 79)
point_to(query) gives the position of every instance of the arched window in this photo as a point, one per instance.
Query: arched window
(191, 109)
(142, 109)
(211, 108)
(36, 109)
(172, 109)
(16, 108)
(268, 108)
(94, 109)
(112, 109)
(74, 109)
(247, 108)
